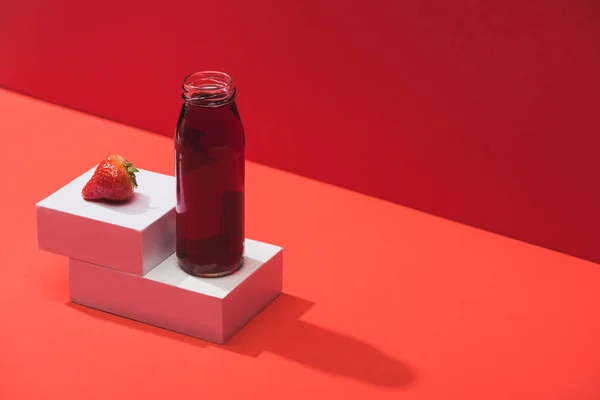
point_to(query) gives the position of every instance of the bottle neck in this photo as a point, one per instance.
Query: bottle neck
(208, 89)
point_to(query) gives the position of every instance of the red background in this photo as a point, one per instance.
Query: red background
(486, 113)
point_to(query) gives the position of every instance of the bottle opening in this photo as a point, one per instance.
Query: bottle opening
(208, 88)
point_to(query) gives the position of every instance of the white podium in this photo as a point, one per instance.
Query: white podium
(122, 261)
(133, 237)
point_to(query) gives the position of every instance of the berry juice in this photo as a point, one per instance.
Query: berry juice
(210, 156)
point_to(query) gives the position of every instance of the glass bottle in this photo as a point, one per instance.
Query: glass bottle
(210, 155)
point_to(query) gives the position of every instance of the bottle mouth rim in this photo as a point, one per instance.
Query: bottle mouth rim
(208, 88)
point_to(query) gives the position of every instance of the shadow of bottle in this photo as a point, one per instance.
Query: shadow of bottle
(279, 330)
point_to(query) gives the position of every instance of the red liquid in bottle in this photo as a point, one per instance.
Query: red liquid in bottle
(210, 156)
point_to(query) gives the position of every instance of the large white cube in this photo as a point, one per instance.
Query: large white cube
(133, 237)
(208, 308)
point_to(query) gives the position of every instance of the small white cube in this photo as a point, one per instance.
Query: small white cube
(133, 237)
(208, 308)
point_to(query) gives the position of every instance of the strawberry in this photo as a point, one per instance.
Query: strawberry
(114, 179)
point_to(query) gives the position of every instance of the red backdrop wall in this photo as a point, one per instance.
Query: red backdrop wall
(486, 113)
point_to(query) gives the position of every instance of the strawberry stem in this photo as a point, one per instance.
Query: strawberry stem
(131, 170)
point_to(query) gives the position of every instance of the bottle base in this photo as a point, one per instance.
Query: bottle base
(208, 271)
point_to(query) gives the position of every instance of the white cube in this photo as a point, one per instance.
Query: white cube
(133, 237)
(208, 308)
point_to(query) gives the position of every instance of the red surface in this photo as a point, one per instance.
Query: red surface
(481, 112)
(381, 301)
